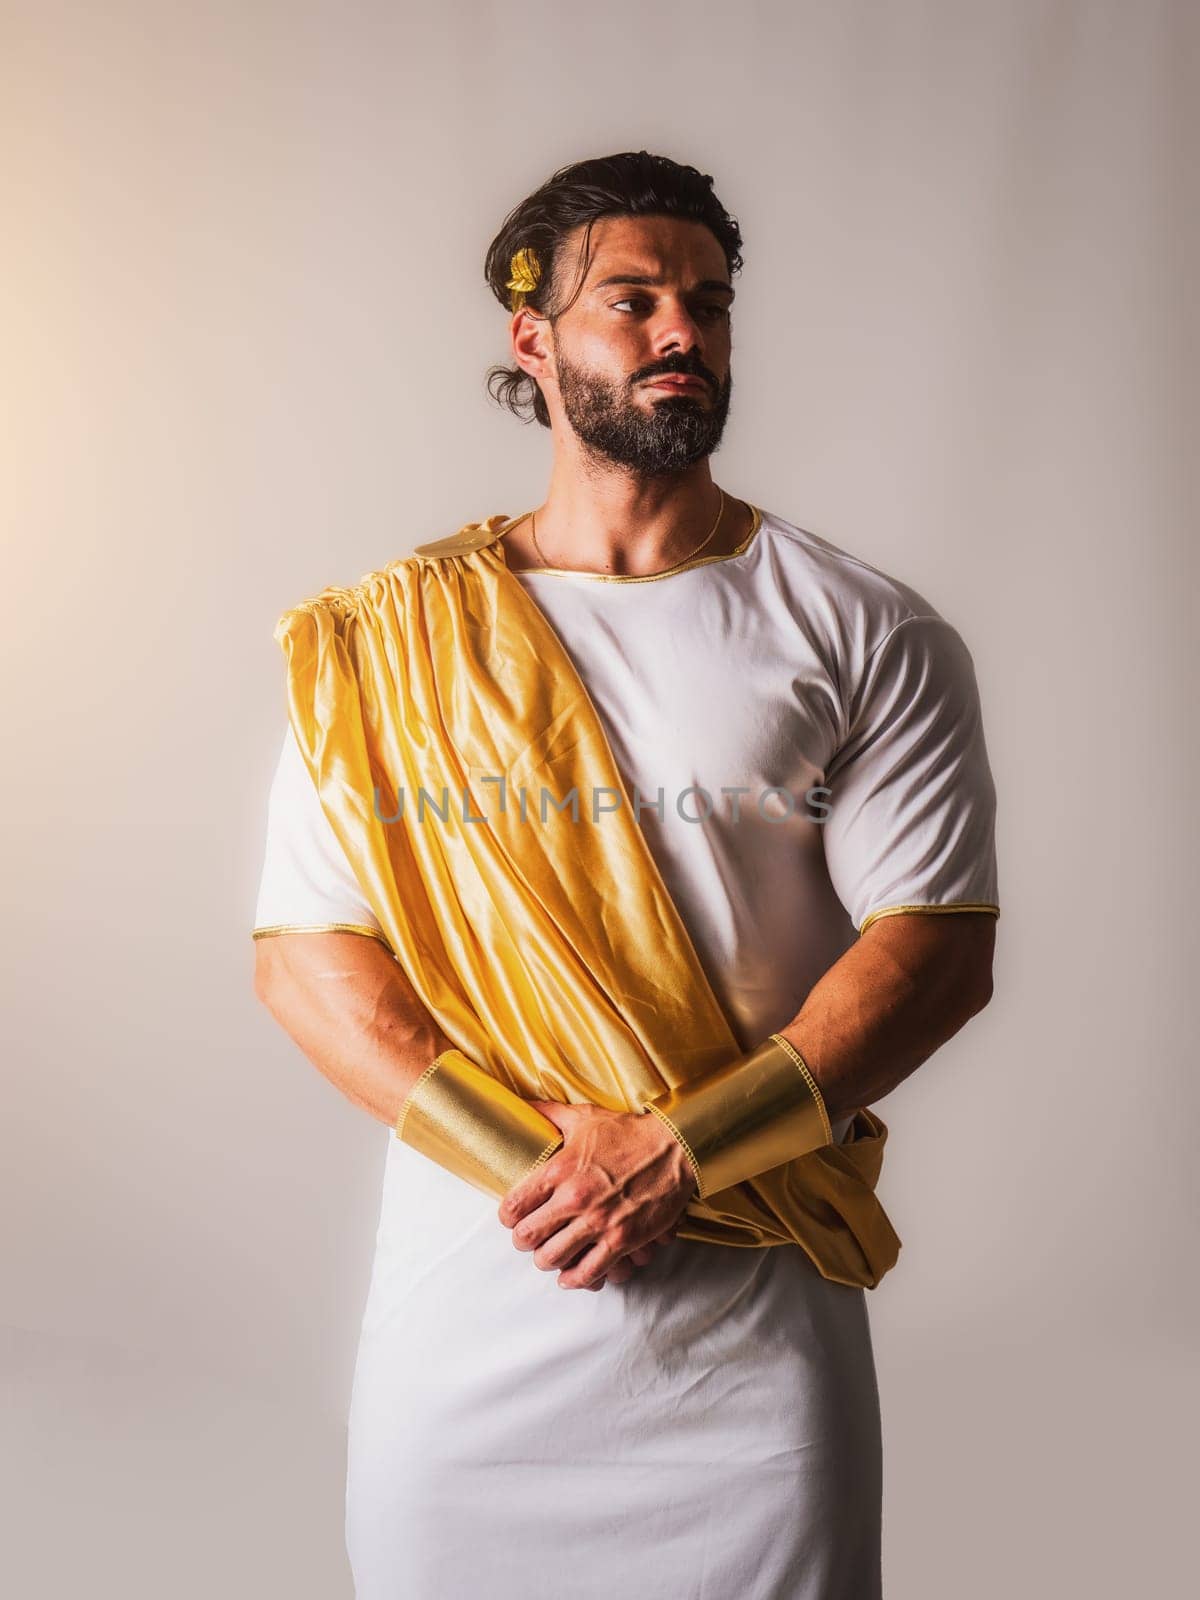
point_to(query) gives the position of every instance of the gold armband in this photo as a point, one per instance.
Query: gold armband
(754, 1114)
(474, 1126)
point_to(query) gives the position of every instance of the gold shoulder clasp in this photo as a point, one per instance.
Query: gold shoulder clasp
(474, 536)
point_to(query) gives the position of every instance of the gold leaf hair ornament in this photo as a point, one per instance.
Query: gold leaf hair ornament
(526, 270)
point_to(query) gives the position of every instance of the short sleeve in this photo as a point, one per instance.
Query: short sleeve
(912, 804)
(307, 884)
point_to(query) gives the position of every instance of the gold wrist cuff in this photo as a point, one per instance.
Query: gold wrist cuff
(754, 1114)
(477, 1128)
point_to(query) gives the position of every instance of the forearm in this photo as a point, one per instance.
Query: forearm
(351, 1009)
(885, 1006)
(904, 988)
(349, 1006)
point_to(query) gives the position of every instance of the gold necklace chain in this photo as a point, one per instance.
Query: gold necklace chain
(690, 557)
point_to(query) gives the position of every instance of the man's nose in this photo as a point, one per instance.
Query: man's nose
(676, 332)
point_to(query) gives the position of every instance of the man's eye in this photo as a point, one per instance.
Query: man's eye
(713, 311)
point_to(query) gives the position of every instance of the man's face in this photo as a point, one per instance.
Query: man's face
(655, 302)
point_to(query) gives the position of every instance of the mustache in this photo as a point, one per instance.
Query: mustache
(682, 368)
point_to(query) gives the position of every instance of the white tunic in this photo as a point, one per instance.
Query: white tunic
(710, 1428)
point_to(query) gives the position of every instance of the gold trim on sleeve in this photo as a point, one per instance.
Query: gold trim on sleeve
(321, 927)
(953, 905)
(475, 1126)
(752, 1115)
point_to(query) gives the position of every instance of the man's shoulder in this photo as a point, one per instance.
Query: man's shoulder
(340, 601)
(849, 589)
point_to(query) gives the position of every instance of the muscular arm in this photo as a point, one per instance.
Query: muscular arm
(905, 987)
(348, 1004)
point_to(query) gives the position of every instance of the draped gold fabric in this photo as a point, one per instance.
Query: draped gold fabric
(550, 951)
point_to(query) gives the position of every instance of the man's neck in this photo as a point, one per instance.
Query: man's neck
(626, 529)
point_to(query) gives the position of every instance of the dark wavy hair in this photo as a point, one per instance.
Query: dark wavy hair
(632, 184)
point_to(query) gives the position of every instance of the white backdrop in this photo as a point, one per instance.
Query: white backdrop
(244, 332)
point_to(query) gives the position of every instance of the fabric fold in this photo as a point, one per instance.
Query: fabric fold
(436, 708)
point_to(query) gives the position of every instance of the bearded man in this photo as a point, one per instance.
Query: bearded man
(621, 854)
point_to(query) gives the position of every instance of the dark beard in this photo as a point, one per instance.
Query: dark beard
(679, 431)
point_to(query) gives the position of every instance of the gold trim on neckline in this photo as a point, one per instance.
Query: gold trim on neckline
(628, 577)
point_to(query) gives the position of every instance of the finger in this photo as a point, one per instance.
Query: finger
(598, 1260)
(554, 1226)
(530, 1193)
(556, 1111)
(573, 1260)
(566, 1245)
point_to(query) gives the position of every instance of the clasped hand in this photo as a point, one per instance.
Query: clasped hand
(614, 1190)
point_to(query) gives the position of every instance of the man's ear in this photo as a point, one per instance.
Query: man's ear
(533, 344)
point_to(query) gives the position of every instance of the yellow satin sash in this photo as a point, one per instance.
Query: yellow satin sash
(550, 952)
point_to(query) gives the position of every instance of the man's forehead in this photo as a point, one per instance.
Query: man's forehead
(626, 249)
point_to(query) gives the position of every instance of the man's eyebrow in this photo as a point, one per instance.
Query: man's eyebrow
(705, 286)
